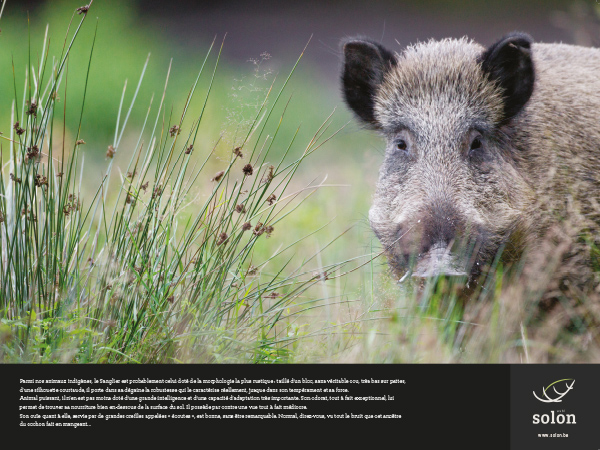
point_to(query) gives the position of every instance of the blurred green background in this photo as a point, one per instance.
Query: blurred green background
(263, 39)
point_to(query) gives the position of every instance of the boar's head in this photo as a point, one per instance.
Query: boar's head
(452, 191)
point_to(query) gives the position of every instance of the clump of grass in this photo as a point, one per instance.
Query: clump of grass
(137, 272)
(543, 308)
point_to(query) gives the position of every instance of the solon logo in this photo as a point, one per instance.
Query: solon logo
(560, 388)
(548, 399)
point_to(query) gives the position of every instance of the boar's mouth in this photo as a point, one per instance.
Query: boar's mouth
(464, 260)
(438, 261)
(432, 251)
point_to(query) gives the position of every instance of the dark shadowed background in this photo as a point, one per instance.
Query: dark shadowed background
(129, 29)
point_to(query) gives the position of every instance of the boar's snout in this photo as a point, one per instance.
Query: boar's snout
(436, 243)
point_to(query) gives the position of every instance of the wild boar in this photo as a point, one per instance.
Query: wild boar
(487, 148)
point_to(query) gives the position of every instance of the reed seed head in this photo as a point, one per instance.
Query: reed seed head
(18, 129)
(218, 176)
(32, 110)
(222, 238)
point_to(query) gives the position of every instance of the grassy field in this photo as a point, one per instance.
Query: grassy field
(205, 212)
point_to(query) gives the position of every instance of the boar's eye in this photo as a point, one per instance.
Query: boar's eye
(476, 146)
(400, 144)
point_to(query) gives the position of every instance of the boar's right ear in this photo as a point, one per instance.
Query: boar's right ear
(365, 64)
(509, 63)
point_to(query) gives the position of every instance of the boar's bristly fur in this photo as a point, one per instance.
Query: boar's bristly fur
(487, 149)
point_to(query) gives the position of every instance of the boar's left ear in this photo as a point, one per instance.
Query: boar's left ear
(509, 63)
(365, 64)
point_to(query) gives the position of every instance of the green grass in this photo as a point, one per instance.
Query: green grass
(130, 274)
